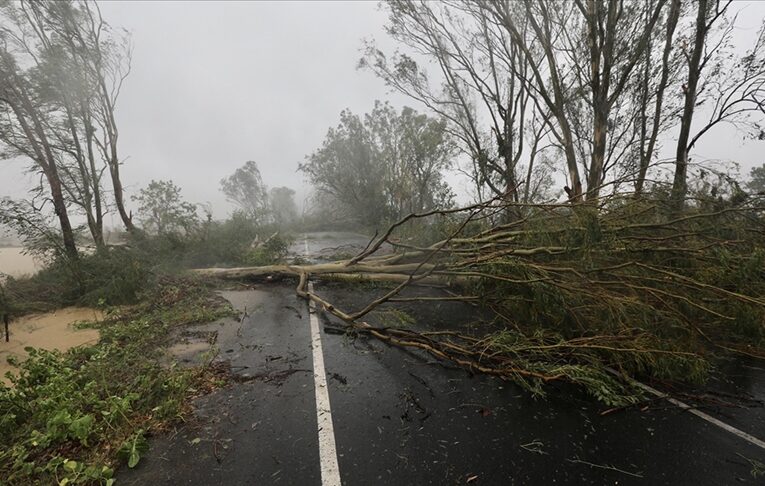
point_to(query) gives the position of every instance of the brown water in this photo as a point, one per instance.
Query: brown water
(52, 330)
(16, 264)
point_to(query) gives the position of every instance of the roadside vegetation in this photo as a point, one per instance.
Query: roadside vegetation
(75, 417)
(598, 247)
(72, 418)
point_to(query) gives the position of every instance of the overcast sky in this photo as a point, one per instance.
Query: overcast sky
(215, 84)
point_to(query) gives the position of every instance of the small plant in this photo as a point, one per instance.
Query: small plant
(73, 417)
(133, 448)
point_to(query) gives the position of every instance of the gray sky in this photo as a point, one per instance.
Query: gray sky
(215, 84)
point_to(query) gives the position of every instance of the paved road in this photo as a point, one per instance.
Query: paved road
(399, 418)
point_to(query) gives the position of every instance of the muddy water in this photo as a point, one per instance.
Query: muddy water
(52, 330)
(16, 264)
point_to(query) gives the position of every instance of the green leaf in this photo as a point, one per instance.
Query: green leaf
(135, 456)
(80, 427)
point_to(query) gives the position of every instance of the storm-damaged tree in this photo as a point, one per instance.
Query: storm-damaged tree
(724, 87)
(246, 190)
(24, 132)
(281, 202)
(73, 66)
(483, 98)
(383, 166)
(162, 210)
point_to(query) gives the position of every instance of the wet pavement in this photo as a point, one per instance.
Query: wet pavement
(401, 418)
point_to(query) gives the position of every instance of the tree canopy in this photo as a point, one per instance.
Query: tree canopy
(384, 165)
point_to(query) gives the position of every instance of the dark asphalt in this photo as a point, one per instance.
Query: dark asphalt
(400, 418)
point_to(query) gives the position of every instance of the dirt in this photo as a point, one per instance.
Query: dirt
(52, 330)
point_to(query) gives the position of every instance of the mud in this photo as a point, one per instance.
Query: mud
(15, 263)
(52, 330)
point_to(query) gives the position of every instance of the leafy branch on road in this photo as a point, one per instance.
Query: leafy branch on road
(572, 291)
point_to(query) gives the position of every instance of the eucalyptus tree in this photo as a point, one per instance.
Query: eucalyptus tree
(719, 86)
(62, 71)
(483, 96)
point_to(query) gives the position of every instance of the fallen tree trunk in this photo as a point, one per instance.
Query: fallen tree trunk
(574, 291)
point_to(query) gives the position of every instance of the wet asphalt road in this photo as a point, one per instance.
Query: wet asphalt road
(400, 418)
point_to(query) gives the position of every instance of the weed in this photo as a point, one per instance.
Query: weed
(71, 418)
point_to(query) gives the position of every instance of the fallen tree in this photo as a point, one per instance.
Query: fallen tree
(573, 292)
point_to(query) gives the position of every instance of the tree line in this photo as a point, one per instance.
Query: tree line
(606, 91)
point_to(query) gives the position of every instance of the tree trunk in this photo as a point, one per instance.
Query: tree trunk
(35, 134)
(680, 181)
(645, 161)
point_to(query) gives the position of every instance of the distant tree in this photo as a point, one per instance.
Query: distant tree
(162, 210)
(245, 188)
(757, 182)
(282, 205)
(383, 166)
(346, 168)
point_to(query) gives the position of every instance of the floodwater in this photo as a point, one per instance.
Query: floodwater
(15, 263)
(52, 330)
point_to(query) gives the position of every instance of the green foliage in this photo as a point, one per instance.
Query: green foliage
(68, 414)
(162, 210)
(245, 188)
(133, 448)
(111, 276)
(272, 251)
(757, 180)
(36, 229)
(384, 166)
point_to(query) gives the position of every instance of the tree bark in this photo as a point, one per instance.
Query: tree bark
(647, 154)
(680, 180)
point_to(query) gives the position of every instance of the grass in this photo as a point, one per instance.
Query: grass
(74, 417)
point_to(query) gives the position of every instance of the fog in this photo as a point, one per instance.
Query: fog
(214, 84)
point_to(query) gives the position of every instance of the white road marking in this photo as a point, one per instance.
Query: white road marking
(704, 416)
(330, 472)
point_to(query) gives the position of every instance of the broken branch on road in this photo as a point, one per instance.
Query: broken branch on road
(569, 290)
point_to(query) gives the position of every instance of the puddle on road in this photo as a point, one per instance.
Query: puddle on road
(190, 351)
(52, 330)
